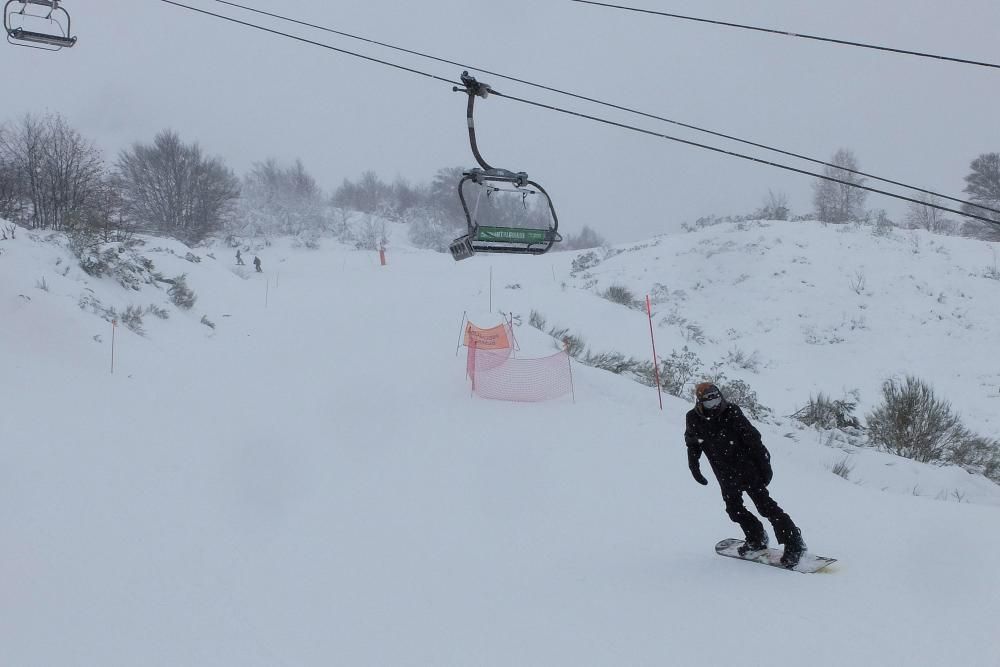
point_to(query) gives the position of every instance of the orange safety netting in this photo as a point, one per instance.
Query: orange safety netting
(495, 338)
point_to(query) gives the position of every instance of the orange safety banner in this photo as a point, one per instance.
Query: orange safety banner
(487, 339)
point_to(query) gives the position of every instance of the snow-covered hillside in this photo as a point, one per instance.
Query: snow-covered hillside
(310, 483)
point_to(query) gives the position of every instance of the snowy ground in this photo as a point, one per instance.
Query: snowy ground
(310, 483)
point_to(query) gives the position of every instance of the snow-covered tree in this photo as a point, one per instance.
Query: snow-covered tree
(57, 171)
(926, 216)
(279, 200)
(172, 189)
(983, 187)
(840, 202)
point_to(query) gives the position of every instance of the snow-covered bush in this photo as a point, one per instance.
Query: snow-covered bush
(679, 371)
(740, 393)
(537, 320)
(823, 412)
(430, 232)
(118, 260)
(132, 318)
(741, 359)
(914, 423)
(584, 262)
(621, 295)
(574, 343)
(181, 295)
(157, 311)
(371, 234)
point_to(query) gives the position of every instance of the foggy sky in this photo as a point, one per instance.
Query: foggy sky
(142, 65)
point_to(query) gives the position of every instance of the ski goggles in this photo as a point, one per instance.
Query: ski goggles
(711, 400)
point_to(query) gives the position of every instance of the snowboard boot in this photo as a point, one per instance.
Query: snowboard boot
(794, 548)
(752, 544)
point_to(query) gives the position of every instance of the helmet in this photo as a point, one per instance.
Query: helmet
(708, 396)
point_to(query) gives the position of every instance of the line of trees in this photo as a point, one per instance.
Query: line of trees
(843, 202)
(435, 210)
(51, 177)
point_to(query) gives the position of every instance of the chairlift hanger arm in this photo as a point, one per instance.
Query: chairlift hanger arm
(474, 89)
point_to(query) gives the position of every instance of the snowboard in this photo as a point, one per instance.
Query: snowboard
(807, 564)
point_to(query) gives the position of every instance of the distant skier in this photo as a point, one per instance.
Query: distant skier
(741, 464)
(239, 258)
(256, 263)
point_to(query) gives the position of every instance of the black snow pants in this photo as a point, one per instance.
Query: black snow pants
(784, 529)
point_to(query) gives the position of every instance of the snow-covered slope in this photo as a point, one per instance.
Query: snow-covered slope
(311, 483)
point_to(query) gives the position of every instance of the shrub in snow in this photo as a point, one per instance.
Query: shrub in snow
(824, 413)
(740, 393)
(429, 232)
(94, 305)
(308, 240)
(679, 371)
(181, 295)
(843, 468)
(993, 271)
(117, 260)
(617, 363)
(371, 234)
(153, 309)
(537, 320)
(584, 262)
(912, 422)
(132, 318)
(573, 343)
(740, 359)
(621, 295)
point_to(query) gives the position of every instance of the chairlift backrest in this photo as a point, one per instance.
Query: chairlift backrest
(19, 23)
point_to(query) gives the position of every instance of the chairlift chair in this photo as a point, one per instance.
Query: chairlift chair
(525, 240)
(16, 17)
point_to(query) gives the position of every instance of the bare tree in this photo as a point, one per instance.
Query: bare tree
(443, 196)
(840, 202)
(775, 207)
(58, 170)
(173, 189)
(926, 216)
(11, 190)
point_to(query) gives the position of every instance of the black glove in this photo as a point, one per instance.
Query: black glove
(698, 477)
(767, 474)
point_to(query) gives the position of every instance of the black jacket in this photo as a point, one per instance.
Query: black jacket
(732, 446)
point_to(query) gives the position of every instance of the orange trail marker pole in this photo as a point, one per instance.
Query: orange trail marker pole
(656, 367)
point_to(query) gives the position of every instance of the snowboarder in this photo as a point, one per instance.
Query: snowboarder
(239, 258)
(256, 263)
(741, 464)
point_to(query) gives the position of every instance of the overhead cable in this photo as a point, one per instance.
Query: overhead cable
(611, 105)
(597, 119)
(787, 33)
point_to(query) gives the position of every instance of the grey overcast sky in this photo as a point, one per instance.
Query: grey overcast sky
(143, 65)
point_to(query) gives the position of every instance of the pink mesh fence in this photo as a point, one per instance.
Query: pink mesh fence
(497, 375)
(484, 360)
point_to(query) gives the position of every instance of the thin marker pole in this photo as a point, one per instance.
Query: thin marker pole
(656, 367)
(114, 326)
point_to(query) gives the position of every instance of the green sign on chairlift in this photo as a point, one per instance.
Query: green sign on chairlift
(511, 235)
